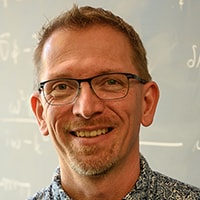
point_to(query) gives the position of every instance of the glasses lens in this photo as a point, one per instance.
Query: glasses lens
(58, 92)
(107, 86)
(110, 86)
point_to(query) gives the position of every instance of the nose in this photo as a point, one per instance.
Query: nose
(87, 103)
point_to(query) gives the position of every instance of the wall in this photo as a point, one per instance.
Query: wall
(170, 31)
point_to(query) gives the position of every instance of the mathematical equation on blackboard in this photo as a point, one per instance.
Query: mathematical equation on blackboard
(10, 185)
(10, 49)
(20, 112)
(194, 62)
(197, 146)
(18, 143)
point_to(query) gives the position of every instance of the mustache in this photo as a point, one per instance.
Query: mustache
(81, 123)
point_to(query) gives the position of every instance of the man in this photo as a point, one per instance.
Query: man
(94, 92)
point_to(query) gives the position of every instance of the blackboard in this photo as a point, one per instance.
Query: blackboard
(170, 31)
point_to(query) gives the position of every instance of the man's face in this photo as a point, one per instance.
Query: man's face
(114, 124)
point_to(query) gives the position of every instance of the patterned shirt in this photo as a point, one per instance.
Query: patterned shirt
(150, 185)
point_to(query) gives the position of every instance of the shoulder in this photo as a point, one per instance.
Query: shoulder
(171, 188)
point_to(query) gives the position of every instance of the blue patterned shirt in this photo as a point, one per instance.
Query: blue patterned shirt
(151, 185)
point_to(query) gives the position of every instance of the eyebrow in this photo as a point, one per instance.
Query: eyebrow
(67, 75)
(57, 76)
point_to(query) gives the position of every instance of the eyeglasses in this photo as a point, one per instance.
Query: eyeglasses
(105, 86)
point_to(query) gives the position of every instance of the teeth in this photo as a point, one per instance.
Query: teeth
(92, 133)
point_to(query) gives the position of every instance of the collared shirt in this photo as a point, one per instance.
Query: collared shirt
(150, 185)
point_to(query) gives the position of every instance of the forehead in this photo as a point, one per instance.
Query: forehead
(94, 48)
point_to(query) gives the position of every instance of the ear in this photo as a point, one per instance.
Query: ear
(37, 109)
(150, 100)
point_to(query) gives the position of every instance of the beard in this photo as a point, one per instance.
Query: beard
(91, 160)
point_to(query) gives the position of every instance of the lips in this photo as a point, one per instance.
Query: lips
(90, 134)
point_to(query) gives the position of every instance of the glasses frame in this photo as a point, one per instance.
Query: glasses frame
(89, 80)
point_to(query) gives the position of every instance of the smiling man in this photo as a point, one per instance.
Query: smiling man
(94, 93)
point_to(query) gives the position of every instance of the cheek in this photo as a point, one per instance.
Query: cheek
(131, 113)
(130, 108)
(127, 132)
(54, 119)
(127, 113)
(132, 120)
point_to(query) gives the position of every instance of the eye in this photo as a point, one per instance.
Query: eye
(115, 82)
(60, 91)
(111, 82)
(67, 85)
(60, 86)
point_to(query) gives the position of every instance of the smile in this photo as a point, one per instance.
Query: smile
(90, 134)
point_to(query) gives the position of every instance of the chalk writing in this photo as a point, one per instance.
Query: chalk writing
(5, 3)
(197, 146)
(162, 144)
(9, 48)
(4, 46)
(15, 107)
(18, 143)
(15, 52)
(10, 185)
(181, 3)
(195, 61)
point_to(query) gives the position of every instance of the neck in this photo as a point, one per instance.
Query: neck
(104, 186)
